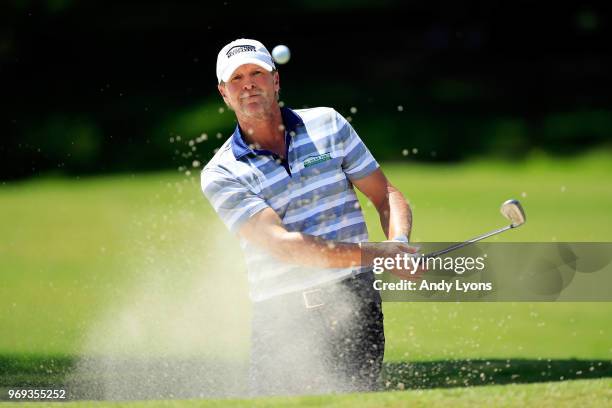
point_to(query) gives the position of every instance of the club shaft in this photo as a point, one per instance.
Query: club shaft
(468, 242)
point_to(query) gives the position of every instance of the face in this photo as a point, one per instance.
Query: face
(251, 91)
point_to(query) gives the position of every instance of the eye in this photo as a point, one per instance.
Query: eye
(236, 77)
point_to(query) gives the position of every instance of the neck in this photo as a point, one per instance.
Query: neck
(265, 132)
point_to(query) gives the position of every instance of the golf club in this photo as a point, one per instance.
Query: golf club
(510, 209)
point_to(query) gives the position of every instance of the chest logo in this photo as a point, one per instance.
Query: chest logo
(311, 161)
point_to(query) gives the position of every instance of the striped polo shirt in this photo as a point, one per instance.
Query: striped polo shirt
(311, 191)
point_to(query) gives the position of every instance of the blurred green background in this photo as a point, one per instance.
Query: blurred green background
(92, 88)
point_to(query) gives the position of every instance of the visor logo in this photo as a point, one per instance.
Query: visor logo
(237, 49)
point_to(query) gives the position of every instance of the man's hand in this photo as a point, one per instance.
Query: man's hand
(391, 250)
(398, 247)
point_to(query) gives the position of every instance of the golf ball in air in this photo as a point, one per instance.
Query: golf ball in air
(281, 54)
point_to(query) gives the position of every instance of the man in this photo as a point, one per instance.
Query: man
(283, 182)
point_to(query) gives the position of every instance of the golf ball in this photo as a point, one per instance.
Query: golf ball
(281, 54)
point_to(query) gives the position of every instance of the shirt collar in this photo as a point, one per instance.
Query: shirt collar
(291, 121)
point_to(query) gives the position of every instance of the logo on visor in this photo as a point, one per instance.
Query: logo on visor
(240, 48)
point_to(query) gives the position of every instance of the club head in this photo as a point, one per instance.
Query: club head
(513, 211)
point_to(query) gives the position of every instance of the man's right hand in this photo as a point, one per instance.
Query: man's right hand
(391, 249)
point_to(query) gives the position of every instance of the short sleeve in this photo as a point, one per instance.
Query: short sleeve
(232, 200)
(357, 161)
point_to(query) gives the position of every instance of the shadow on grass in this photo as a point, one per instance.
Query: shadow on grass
(38, 372)
(464, 373)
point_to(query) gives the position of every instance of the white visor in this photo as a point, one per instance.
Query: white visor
(241, 52)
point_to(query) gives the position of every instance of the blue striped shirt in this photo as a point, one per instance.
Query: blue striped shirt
(311, 192)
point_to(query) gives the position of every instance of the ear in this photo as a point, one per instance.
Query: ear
(276, 81)
(221, 88)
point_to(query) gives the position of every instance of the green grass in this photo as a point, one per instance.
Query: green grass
(76, 253)
(582, 393)
(565, 200)
(17, 372)
(73, 249)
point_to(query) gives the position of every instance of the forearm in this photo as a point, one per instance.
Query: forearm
(308, 250)
(265, 230)
(395, 214)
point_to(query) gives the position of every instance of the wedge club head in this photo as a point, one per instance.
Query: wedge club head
(514, 212)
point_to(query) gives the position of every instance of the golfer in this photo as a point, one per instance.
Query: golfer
(284, 184)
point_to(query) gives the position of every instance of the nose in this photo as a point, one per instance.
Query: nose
(248, 85)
